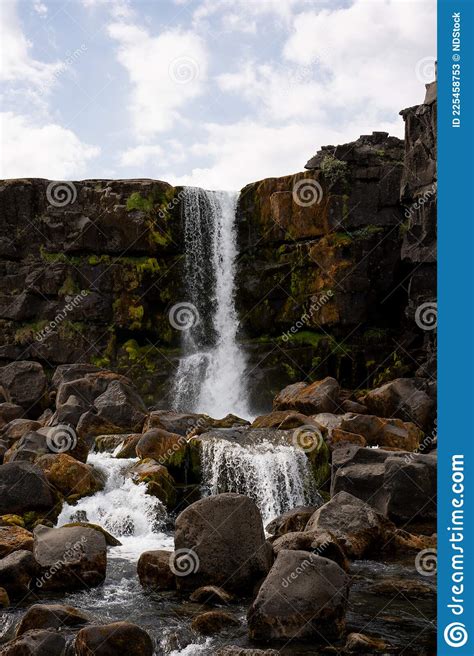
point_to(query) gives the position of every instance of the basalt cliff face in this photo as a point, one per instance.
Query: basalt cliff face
(335, 262)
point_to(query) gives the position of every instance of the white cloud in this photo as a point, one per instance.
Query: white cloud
(40, 8)
(44, 151)
(166, 72)
(16, 64)
(140, 155)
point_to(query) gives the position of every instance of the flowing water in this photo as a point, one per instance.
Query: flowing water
(211, 373)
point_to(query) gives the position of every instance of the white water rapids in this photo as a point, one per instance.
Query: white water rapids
(211, 373)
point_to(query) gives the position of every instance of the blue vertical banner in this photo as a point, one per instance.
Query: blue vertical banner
(455, 328)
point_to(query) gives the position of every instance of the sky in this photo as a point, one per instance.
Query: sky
(210, 93)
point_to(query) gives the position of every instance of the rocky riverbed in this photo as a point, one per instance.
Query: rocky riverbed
(116, 539)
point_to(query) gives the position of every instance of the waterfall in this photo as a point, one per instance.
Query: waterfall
(277, 477)
(211, 373)
(123, 508)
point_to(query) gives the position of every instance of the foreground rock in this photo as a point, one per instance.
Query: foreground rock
(51, 616)
(70, 557)
(212, 622)
(318, 542)
(220, 541)
(36, 643)
(400, 485)
(360, 529)
(291, 520)
(159, 482)
(23, 486)
(71, 477)
(211, 595)
(17, 572)
(320, 396)
(13, 538)
(241, 651)
(112, 640)
(303, 596)
(154, 570)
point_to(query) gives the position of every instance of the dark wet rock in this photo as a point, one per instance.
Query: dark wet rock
(223, 544)
(405, 398)
(70, 558)
(23, 486)
(400, 485)
(282, 419)
(320, 396)
(36, 643)
(358, 527)
(113, 639)
(121, 405)
(13, 538)
(359, 643)
(211, 595)
(110, 540)
(16, 428)
(69, 476)
(173, 422)
(383, 432)
(4, 598)
(212, 622)
(320, 542)
(65, 373)
(51, 616)
(291, 520)
(24, 383)
(177, 453)
(17, 572)
(303, 596)
(159, 482)
(353, 406)
(9, 412)
(109, 443)
(154, 570)
(338, 437)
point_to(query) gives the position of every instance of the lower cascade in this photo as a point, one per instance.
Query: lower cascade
(211, 372)
(277, 477)
(123, 508)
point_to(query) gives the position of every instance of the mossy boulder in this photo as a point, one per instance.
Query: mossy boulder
(71, 477)
(158, 480)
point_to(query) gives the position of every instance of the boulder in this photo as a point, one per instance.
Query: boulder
(50, 616)
(36, 643)
(319, 542)
(178, 454)
(69, 476)
(24, 383)
(17, 572)
(405, 398)
(219, 540)
(232, 650)
(113, 639)
(282, 419)
(159, 482)
(338, 437)
(4, 598)
(212, 622)
(360, 529)
(110, 540)
(400, 485)
(9, 412)
(28, 448)
(303, 596)
(359, 643)
(154, 570)
(121, 405)
(320, 396)
(16, 428)
(129, 446)
(211, 595)
(291, 520)
(383, 432)
(63, 438)
(70, 557)
(68, 372)
(23, 486)
(174, 422)
(13, 538)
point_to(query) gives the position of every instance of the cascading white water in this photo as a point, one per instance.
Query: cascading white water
(123, 508)
(211, 373)
(277, 477)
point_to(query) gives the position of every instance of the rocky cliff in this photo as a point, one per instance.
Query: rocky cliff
(334, 263)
